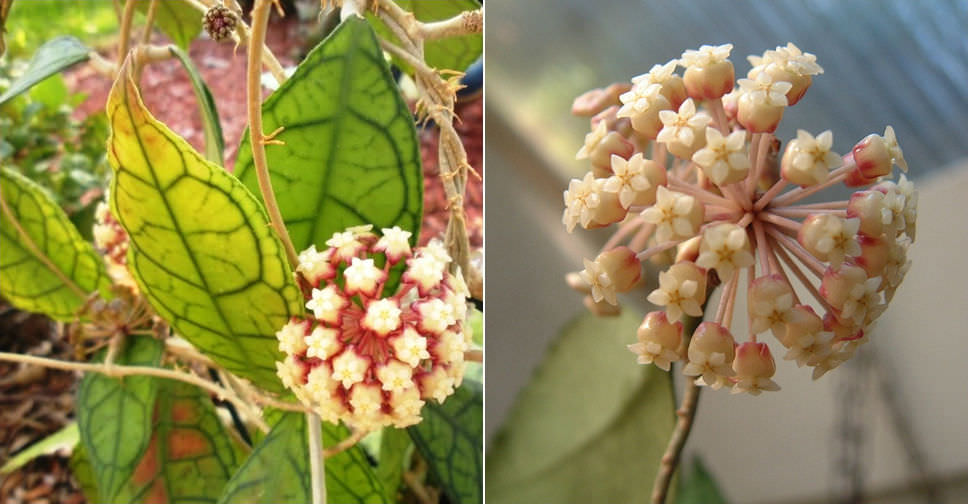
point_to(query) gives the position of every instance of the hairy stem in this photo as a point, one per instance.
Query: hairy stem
(260, 20)
(465, 23)
(316, 460)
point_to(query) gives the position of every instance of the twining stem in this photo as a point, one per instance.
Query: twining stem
(260, 21)
(34, 249)
(149, 21)
(316, 464)
(126, 18)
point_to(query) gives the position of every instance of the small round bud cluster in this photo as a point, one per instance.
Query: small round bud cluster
(219, 22)
(112, 240)
(368, 357)
(698, 184)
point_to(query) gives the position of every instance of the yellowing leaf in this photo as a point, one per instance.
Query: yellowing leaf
(201, 247)
(29, 281)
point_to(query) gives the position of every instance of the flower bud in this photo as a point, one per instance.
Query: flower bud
(622, 267)
(874, 254)
(872, 157)
(711, 352)
(837, 284)
(754, 366)
(867, 206)
(709, 75)
(658, 340)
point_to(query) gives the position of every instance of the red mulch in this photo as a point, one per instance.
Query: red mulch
(36, 402)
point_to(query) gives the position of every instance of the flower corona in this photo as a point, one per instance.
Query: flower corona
(706, 182)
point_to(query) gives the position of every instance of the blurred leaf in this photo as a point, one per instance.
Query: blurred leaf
(28, 282)
(277, 470)
(351, 154)
(177, 19)
(476, 323)
(64, 439)
(451, 53)
(50, 58)
(51, 91)
(190, 456)
(114, 415)
(698, 486)
(395, 451)
(590, 427)
(201, 248)
(451, 439)
(80, 465)
(214, 143)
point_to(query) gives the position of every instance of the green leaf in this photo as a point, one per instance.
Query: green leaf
(214, 143)
(452, 53)
(177, 19)
(591, 422)
(451, 439)
(278, 469)
(190, 456)
(50, 58)
(395, 451)
(351, 154)
(26, 280)
(64, 439)
(698, 486)
(80, 465)
(201, 247)
(114, 416)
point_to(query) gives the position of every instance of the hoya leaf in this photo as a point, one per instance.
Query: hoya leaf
(201, 248)
(451, 439)
(590, 422)
(350, 153)
(52, 57)
(395, 451)
(277, 470)
(451, 53)
(698, 486)
(80, 465)
(64, 439)
(45, 251)
(176, 18)
(114, 416)
(214, 142)
(190, 456)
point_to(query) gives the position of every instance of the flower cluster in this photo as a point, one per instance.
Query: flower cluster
(712, 198)
(111, 239)
(369, 357)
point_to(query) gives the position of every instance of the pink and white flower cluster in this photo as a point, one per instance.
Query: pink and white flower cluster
(111, 239)
(689, 170)
(368, 357)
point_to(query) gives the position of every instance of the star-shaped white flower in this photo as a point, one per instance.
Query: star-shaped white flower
(395, 375)
(382, 316)
(628, 178)
(725, 248)
(362, 275)
(395, 243)
(592, 139)
(410, 347)
(678, 295)
(897, 156)
(598, 280)
(349, 368)
(706, 55)
(323, 342)
(764, 90)
(684, 126)
(808, 159)
(724, 159)
(292, 337)
(581, 200)
(326, 303)
(676, 215)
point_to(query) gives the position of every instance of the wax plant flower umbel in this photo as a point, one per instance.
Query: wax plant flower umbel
(195, 290)
(689, 171)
